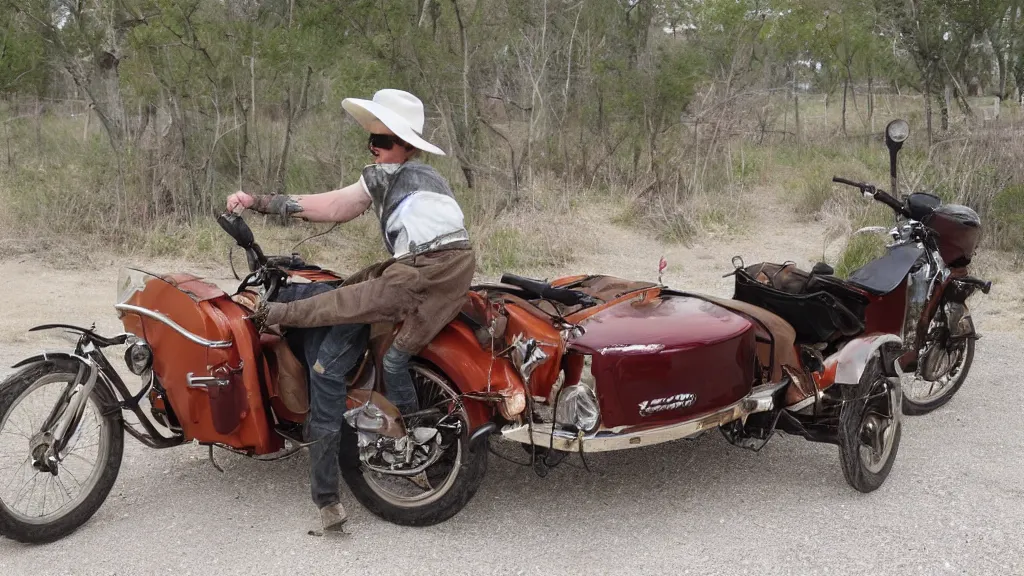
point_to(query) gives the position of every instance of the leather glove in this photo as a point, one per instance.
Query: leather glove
(267, 315)
(280, 204)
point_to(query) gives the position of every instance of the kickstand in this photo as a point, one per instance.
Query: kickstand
(214, 462)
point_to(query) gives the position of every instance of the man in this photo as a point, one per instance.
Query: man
(423, 286)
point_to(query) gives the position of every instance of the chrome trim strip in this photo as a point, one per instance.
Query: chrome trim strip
(204, 381)
(173, 325)
(759, 400)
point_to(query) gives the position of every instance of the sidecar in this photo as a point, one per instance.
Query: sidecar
(641, 364)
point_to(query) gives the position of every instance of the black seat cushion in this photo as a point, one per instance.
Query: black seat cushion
(885, 274)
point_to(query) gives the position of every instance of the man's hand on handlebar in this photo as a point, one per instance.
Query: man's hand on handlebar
(239, 201)
(259, 317)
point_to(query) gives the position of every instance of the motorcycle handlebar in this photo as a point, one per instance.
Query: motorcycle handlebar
(876, 193)
(839, 180)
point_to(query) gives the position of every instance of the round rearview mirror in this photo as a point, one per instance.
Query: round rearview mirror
(897, 131)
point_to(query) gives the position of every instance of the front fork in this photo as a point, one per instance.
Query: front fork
(49, 442)
(928, 296)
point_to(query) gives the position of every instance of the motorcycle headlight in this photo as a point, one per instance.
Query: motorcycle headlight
(577, 407)
(139, 357)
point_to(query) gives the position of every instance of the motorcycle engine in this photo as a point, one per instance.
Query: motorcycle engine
(406, 455)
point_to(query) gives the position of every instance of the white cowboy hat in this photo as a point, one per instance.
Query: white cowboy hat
(392, 112)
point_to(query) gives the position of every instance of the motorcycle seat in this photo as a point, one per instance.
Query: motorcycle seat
(882, 276)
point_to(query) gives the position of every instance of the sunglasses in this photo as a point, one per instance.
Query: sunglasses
(385, 142)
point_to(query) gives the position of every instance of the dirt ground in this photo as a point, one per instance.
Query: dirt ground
(950, 506)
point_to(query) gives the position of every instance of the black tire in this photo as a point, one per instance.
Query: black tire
(913, 408)
(111, 432)
(860, 403)
(472, 468)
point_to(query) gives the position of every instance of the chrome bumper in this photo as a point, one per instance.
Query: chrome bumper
(759, 400)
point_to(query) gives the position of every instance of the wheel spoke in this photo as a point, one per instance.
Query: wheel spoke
(26, 489)
(65, 497)
(20, 472)
(19, 433)
(80, 457)
(18, 429)
(64, 488)
(78, 438)
(42, 509)
(66, 469)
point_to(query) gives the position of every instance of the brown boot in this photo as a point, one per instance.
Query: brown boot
(333, 516)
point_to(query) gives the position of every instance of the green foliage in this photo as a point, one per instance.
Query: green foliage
(1008, 218)
(502, 251)
(680, 106)
(860, 250)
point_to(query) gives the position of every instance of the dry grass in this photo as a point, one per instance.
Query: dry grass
(66, 197)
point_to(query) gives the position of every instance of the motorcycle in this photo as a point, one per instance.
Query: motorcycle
(917, 290)
(577, 365)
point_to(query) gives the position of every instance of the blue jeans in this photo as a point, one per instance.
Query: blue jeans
(330, 354)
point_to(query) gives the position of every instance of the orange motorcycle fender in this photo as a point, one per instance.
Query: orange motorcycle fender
(847, 365)
(487, 384)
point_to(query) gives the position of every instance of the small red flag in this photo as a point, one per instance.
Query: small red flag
(662, 265)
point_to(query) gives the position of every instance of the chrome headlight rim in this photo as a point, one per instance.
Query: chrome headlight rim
(578, 407)
(898, 131)
(138, 357)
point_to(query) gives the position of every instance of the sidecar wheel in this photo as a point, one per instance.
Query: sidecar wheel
(37, 505)
(869, 428)
(435, 495)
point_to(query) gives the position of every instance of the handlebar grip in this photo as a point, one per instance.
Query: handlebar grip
(839, 180)
(885, 198)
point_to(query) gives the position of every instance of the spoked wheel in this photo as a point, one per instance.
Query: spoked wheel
(45, 495)
(941, 371)
(443, 488)
(869, 428)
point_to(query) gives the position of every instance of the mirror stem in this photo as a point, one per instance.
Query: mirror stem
(893, 152)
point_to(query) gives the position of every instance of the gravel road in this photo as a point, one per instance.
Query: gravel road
(953, 504)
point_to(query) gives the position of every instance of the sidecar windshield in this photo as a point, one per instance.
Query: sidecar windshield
(132, 281)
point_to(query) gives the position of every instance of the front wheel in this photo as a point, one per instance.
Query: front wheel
(444, 487)
(940, 374)
(42, 498)
(869, 428)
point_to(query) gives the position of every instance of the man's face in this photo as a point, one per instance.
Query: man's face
(393, 154)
